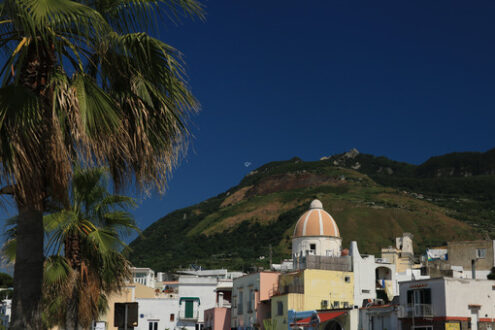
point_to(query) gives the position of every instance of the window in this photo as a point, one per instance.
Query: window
(348, 279)
(250, 301)
(152, 325)
(312, 247)
(480, 253)
(336, 304)
(280, 308)
(324, 304)
(172, 317)
(239, 305)
(419, 297)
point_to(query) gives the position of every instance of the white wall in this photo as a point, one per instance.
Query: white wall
(409, 275)
(364, 275)
(201, 287)
(325, 246)
(157, 309)
(364, 269)
(460, 293)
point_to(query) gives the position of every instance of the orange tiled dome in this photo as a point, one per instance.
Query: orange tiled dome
(316, 222)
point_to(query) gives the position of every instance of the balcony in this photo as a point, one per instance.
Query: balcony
(417, 310)
(291, 288)
(192, 316)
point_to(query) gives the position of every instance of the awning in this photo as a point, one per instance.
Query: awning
(322, 316)
(326, 316)
(304, 321)
(181, 299)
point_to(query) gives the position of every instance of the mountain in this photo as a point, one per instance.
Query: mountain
(373, 199)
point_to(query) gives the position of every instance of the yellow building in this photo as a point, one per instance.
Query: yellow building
(311, 289)
(127, 294)
(323, 279)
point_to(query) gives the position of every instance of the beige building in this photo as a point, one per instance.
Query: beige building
(402, 255)
(129, 293)
(463, 258)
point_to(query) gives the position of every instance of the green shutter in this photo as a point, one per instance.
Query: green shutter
(189, 309)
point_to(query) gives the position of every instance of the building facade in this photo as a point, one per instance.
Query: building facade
(251, 299)
(447, 303)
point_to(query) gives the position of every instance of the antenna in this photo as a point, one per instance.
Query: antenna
(270, 247)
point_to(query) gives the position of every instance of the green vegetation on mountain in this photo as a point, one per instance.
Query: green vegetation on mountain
(373, 200)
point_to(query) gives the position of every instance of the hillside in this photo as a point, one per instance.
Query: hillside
(373, 199)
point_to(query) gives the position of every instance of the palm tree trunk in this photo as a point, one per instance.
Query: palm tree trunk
(28, 271)
(72, 312)
(73, 255)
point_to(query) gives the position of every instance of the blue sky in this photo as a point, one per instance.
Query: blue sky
(277, 79)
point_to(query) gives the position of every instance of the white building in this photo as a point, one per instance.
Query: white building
(216, 273)
(144, 276)
(447, 303)
(195, 295)
(373, 277)
(157, 313)
(181, 304)
(5, 312)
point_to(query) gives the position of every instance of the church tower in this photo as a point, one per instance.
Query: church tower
(316, 233)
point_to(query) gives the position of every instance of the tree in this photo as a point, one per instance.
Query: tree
(85, 251)
(6, 280)
(81, 86)
(89, 237)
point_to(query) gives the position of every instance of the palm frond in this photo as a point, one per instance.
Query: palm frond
(143, 15)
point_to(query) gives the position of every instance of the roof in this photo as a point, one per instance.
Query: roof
(316, 222)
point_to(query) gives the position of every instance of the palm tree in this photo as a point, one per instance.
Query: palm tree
(82, 84)
(89, 237)
(85, 260)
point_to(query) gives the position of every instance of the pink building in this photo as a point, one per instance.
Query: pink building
(251, 299)
(217, 318)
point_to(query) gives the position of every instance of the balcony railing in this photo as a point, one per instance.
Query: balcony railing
(418, 310)
(193, 316)
(292, 288)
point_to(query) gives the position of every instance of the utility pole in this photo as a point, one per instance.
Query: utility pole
(270, 247)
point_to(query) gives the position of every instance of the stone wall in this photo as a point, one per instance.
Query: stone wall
(461, 254)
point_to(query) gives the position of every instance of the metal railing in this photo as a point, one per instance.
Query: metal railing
(417, 310)
(194, 316)
(292, 288)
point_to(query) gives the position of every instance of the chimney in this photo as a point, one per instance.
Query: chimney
(220, 299)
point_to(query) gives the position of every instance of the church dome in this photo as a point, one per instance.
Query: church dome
(316, 222)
